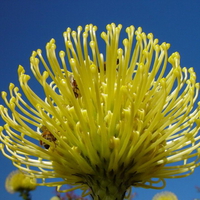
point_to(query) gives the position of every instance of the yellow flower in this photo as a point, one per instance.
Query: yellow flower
(18, 182)
(165, 196)
(55, 198)
(108, 121)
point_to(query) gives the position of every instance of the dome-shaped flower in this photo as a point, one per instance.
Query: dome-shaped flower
(108, 121)
(18, 182)
(165, 196)
(55, 198)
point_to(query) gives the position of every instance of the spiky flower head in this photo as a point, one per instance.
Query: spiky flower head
(18, 181)
(165, 196)
(108, 121)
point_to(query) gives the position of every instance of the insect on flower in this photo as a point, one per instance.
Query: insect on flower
(104, 66)
(128, 117)
(74, 86)
(46, 134)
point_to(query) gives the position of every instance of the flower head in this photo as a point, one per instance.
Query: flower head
(18, 181)
(55, 198)
(107, 122)
(165, 196)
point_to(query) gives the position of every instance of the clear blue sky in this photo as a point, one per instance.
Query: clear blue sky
(28, 25)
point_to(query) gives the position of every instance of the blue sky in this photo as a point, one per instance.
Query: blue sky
(28, 25)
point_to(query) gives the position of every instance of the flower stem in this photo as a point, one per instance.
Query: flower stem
(102, 189)
(25, 194)
(108, 194)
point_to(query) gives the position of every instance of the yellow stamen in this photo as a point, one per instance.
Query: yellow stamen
(125, 118)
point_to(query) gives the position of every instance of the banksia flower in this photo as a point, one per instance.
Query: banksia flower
(108, 121)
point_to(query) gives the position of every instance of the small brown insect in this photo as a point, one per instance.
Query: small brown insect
(104, 66)
(46, 134)
(74, 86)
